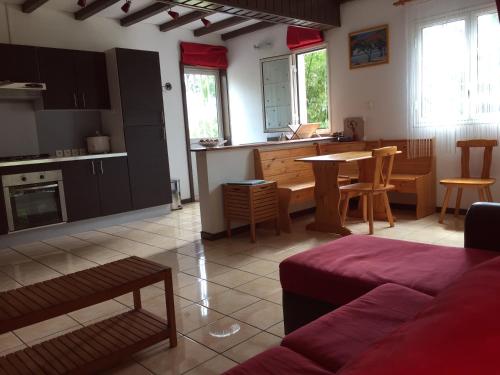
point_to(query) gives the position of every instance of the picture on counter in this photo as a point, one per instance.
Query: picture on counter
(369, 47)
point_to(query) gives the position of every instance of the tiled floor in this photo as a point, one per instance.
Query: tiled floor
(228, 295)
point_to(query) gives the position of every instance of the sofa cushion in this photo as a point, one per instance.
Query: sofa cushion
(459, 333)
(278, 360)
(346, 332)
(341, 271)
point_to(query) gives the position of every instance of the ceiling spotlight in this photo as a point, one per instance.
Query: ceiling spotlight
(126, 6)
(206, 22)
(82, 3)
(173, 14)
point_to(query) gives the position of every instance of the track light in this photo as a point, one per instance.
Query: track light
(206, 22)
(126, 6)
(82, 3)
(173, 14)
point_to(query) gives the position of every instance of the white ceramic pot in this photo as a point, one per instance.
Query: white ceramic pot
(98, 144)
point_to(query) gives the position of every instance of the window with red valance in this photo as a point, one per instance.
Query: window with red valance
(204, 55)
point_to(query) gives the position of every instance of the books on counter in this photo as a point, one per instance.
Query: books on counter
(246, 182)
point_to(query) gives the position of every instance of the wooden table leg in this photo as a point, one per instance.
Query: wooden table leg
(327, 195)
(137, 299)
(169, 300)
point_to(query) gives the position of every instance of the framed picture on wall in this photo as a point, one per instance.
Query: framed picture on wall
(369, 47)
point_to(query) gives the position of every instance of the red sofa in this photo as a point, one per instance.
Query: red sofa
(398, 307)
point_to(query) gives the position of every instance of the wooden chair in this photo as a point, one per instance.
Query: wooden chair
(482, 184)
(384, 161)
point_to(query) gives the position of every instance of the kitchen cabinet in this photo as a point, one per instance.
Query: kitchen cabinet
(4, 226)
(148, 166)
(140, 87)
(96, 187)
(75, 79)
(18, 63)
(91, 80)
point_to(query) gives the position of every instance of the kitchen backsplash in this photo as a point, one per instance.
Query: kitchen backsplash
(24, 131)
(59, 130)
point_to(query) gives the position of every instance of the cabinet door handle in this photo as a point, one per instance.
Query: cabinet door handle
(93, 168)
(84, 100)
(101, 167)
(75, 100)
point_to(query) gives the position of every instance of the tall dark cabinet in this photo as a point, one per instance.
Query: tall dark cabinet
(144, 128)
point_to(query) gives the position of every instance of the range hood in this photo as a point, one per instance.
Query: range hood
(30, 86)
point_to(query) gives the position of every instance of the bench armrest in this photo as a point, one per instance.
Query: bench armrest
(482, 226)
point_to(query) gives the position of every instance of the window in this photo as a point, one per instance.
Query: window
(312, 84)
(458, 70)
(203, 102)
(296, 90)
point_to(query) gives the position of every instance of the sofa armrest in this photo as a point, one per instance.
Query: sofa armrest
(481, 226)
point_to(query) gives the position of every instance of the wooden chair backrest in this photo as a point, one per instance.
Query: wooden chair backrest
(280, 165)
(404, 164)
(346, 169)
(384, 162)
(487, 144)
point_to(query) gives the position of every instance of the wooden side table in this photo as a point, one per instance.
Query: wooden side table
(251, 203)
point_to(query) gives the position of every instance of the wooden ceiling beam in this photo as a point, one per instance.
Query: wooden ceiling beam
(319, 14)
(32, 5)
(93, 8)
(246, 30)
(228, 22)
(145, 13)
(184, 20)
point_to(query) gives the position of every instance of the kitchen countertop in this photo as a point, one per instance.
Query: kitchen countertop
(196, 148)
(61, 159)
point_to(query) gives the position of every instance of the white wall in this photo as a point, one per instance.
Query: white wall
(377, 93)
(50, 28)
(244, 77)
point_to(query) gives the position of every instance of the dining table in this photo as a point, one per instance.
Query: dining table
(326, 190)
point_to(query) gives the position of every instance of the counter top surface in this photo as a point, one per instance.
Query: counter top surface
(196, 148)
(61, 159)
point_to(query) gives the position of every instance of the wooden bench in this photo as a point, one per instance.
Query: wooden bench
(295, 180)
(97, 346)
(415, 176)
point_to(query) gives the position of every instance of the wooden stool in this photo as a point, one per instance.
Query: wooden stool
(482, 184)
(251, 203)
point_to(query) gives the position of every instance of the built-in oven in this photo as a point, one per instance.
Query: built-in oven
(34, 199)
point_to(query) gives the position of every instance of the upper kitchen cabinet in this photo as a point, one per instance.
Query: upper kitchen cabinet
(75, 79)
(140, 87)
(18, 63)
(92, 80)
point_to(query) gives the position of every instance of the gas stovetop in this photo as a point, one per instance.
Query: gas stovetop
(23, 157)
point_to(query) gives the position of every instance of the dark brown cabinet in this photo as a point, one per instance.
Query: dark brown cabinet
(75, 79)
(18, 63)
(148, 166)
(96, 187)
(140, 87)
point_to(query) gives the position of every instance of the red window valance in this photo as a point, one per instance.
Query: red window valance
(300, 37)
(204, 55)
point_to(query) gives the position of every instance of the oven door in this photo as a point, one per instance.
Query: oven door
(35, 205)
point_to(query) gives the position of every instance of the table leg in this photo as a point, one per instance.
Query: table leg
(169, 300)
(137, 299)
(327, 195)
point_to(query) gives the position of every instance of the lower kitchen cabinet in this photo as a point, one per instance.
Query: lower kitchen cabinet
(96, 187)
(114, 186)
(148, 166)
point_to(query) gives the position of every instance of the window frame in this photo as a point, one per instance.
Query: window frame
(294, 87)
(470, 16)
(219, 97)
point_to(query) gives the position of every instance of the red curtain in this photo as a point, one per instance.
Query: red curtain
(204, 55)
(300, 37)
